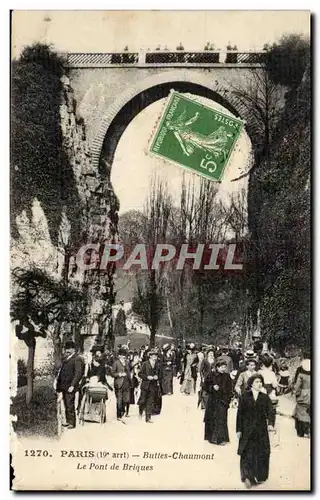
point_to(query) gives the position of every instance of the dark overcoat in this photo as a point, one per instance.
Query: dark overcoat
(253, 418)
(121, 382)
(70, 374)
(217, 398)
(216, 414)
(167, 362)
(150, 393)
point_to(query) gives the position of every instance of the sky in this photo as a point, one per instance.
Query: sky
(103, 31)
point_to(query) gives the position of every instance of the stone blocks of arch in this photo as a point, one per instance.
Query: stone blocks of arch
(202, 79)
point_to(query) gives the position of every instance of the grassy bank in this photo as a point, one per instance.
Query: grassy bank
(39, 418)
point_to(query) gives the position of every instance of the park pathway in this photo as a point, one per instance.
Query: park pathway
(179, 429)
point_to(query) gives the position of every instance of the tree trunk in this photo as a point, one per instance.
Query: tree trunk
(57, 348)
(152, 337)
(30, 369)
(57, 344)
(110, 338)
(169, 315)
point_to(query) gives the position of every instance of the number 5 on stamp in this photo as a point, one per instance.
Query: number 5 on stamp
(195, 136)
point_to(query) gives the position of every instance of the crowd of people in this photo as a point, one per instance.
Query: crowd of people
(222, 377)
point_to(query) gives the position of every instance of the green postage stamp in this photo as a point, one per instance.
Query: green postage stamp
(195, 136)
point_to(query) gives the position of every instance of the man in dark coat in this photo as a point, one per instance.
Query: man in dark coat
(150, 396)
(68, 380)
(254, 413)
(122, 383)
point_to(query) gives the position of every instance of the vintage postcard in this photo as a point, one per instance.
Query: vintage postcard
(160, 250)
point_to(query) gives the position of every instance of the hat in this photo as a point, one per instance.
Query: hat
(153, 352)
(306, 365)
(165, 347)
(122, 352)
(249, 353)
(69, 344)
(96, 348)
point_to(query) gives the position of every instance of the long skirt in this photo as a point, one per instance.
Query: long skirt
(216, 425)
(187, 386)
(157, 404)
(151, 401)
(132, 396)
(204, 396)
(254, 465)
(167, 382)
(302, 428)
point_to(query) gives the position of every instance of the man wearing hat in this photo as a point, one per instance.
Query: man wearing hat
(150, 396)
(68, 380)
(122, 383)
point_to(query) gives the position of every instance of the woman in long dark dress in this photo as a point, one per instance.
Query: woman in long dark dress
(218, 386)
(254, 415)
(167, 370)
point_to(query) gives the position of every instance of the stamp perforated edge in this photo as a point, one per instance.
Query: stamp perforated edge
(148, 151)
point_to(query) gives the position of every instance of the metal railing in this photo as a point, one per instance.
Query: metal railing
(163, 58)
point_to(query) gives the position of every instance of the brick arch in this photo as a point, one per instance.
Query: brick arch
(202, 80)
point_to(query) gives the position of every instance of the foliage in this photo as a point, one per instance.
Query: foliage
(39, 164)
(279, 222)
(151, 283)
(211, 301)
(130, 228)
(286, 60)
(120, 327)
(261, 97)
(44, 300)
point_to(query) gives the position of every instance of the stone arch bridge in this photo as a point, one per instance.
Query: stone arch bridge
(110, 89)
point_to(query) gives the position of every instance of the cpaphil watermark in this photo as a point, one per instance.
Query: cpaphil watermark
(206, 257)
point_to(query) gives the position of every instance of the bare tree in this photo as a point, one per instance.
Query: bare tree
(262, 99)
(198, 220)
(235, 213)
(151, 282)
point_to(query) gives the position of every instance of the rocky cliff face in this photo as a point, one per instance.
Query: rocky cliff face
(279, 195)
(99, 218)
